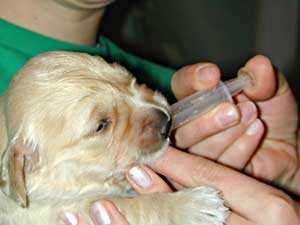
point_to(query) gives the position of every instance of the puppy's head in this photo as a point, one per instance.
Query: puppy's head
(75, 124)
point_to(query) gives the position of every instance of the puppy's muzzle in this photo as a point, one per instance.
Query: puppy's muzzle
(154, 130)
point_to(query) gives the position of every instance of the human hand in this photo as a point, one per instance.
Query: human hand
(218, 133)
(276, 159)
(250, 201)
(199, 77)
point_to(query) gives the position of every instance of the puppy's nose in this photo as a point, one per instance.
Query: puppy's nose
(165, 124)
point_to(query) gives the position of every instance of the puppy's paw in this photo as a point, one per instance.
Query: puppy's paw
(200, 206)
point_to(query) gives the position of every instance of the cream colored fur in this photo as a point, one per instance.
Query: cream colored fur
(53, 159)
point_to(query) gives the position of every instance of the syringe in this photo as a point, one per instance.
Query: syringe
(190, 107)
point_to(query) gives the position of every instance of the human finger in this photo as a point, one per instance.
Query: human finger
(273, 159)
(176, 185)
(69, 218)
(223, 116)
(106, 213)
(214, 146)
(277, 159)
(240, 152)
(262, 70)
(144, 180)
(74, 219)
(190, 79)
(235, 219)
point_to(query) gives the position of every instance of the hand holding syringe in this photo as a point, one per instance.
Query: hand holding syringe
(190, 107)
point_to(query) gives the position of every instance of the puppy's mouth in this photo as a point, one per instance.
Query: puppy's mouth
(153, 156)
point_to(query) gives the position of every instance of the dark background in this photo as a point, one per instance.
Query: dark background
(227, 32)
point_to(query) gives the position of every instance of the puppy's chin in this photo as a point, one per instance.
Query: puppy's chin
(152, 157)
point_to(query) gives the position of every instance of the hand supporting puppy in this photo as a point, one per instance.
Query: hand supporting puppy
(189, 206)
(250, 201)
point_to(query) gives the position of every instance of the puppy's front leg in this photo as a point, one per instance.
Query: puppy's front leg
(194, 206)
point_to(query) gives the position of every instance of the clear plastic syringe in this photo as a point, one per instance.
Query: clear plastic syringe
(192, 106)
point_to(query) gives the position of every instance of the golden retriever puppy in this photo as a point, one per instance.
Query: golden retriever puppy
(70, 126)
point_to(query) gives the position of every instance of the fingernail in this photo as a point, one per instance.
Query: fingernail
(140, 177)
(70, 219)
(248, 112)
(254, 128)
(99, 214)
(227, 116)
(208, 74)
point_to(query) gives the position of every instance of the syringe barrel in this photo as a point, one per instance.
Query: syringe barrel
(198, 103)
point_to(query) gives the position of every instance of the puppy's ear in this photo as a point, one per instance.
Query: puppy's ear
(12, 177)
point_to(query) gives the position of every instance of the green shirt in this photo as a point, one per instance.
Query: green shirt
(18, 45)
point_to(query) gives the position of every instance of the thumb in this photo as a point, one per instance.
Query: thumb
(268, 81)
(194, 78)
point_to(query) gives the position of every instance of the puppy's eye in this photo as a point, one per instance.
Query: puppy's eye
(103, 124)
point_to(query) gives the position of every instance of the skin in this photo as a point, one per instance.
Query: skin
(268, 152)
(278, 112)
(64, 20)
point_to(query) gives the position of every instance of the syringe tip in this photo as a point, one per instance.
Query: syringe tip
(236, 85)
(247, 76)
